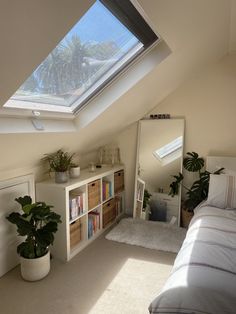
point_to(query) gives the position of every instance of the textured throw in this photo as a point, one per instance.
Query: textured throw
(149, 234)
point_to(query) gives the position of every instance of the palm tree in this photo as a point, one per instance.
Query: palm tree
(51, 71)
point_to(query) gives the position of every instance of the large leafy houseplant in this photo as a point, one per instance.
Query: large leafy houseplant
(198, 191)
(38, 223)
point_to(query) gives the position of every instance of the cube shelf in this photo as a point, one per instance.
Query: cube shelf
(87, 205)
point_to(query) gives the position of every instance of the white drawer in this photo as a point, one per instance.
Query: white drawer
(167, 198)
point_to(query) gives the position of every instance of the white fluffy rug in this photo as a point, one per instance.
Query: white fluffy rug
(149, 234)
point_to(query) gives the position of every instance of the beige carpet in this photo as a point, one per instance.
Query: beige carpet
(107, 277)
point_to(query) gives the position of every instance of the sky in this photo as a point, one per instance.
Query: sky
(98, 25)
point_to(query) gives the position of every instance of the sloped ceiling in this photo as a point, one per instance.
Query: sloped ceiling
(197, 31)
(29, 30)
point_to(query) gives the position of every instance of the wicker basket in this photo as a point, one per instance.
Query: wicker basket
(75, 233)
(186, 217)
(94, 194)
(119, 185)
(108, 212)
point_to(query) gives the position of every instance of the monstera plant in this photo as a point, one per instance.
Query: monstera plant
(198, 191)
(37, 223)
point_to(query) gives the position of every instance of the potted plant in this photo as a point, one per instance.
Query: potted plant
(199, 188)
(146, 209)
(74, 170)
(60, 163)
(38, 223)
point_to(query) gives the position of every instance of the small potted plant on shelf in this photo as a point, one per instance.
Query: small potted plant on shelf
(198, 190)
(60, 163)
(38, 223)
(74, 170)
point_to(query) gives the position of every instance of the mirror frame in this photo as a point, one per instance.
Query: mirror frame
(137, 165)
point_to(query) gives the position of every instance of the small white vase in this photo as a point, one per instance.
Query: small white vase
(74, 172)
(61, 177)
(33, 269)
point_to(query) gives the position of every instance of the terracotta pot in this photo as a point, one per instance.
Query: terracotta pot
(186, 217)
(33, 269)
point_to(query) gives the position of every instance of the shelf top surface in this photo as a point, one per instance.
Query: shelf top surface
(85, 177)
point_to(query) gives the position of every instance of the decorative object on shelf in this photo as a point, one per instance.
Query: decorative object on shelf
(109, 155)
(199, 189)
(160, 116)
(38, 223)
(74, 170)
(60, 163)
(92, 167)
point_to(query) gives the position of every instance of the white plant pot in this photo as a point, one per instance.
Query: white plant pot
(61, 177)
(33, 269)
(74, 172)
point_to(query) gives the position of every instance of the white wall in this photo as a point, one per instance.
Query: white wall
(208, 104)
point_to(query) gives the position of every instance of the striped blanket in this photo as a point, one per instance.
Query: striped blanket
(203, 278)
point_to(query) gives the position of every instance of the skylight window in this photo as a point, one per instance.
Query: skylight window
(169, 152)
(105, 40)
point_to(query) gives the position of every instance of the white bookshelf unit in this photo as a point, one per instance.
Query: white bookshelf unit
(88, 205)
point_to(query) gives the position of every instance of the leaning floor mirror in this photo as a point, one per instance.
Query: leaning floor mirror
(159, 157)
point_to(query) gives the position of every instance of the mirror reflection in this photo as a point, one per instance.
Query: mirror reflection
(159, 156)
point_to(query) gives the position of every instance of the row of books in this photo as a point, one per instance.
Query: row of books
(93, 223)
(77, 205)
(106, 190)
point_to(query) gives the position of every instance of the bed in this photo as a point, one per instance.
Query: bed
(203, 278)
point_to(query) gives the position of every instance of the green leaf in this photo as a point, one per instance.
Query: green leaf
(193, 163)
(23, 227)
(219, 171)
(26, 249)
(41, 250)
(27, 208)
(24, 200)
(174, 186)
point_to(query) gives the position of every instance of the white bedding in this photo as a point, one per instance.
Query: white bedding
(203, 278)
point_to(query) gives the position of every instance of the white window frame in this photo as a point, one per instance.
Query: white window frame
(63, 112)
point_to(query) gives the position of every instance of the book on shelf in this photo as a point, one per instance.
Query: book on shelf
(106, 190)
(76, 204)
(93, 223)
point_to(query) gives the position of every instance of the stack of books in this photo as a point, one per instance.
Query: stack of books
(93, 223)
(106, 190)
(77, 205)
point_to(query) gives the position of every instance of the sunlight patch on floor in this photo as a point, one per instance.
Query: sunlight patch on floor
(133, 288)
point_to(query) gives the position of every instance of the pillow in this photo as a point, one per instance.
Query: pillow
(222, 191)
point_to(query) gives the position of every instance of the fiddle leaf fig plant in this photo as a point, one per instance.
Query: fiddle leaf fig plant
(199, 189)
(38, 223)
